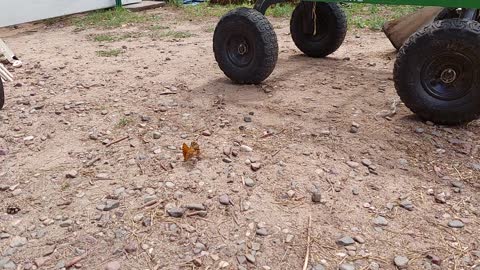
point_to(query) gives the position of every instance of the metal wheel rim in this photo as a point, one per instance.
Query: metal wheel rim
(448, 76)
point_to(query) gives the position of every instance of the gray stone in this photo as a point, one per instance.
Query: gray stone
(224, 199)
(367, 162)
(18, 241)
(6, 263)
(66, 223)
(316, 196)
(110, 205)
(131, 247)
(250, 258)
(406, 204)
(157, 135)
(319, 267)
(9, 251)
(441, 198)
(346, 266)
(195, 207)
(4, 235)
(241, 259)
(256, 166)
(457, 184)
(206, 133)
(227, 160)
(380, 221)
(475, 166)
(3, 261)
(359, 239)
(149, 198)
(353, 164)
(419, 130)
(115, 265)
(247, 119)
(289, 238)
(401, 262)
(60, 265)
(262, 232)
(374, 266)
(102, 176)
(345, 241)
(456, 224)
(71, 174)
(249, 182)
(175, 212)
(245, 148)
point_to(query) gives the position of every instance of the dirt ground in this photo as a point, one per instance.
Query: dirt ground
(87, 203)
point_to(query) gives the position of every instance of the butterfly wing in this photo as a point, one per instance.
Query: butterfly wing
(186, 152)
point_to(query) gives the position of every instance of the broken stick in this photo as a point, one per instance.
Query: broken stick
(117, 141)
(307, 255)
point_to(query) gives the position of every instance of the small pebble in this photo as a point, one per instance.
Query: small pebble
(380, 221)
(224, 199)
(71, 174)
(345, 241)
(401, 262)
(245, 148)
(316, 196)
(456, 224)
(115, 265)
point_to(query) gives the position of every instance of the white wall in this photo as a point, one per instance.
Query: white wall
(21, 11)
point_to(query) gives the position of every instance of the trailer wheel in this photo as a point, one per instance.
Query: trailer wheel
(2, 95)
(245, 46)
(320, 33)
(436, 72)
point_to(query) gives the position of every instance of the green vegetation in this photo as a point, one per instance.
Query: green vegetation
(157, 27)
(112, 37)
(112, 18)
(110, 53)
(359, 15)
(123, 122)
(374, 16)
(104, 37)
(176, 34)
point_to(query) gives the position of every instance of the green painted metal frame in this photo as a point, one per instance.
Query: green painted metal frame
(439, 3)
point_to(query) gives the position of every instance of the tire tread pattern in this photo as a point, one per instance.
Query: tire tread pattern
(265, 32)
(420, 107)
(337, 35)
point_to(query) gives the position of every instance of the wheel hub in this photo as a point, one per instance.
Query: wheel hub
(448, 76)
(238, 50)
(242, 48)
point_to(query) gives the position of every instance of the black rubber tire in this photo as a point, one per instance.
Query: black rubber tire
(437, 49)
(248, 28)
(331, 28)
(2, 95)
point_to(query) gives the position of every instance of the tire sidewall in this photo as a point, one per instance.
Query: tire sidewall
(251, 25)
(335, 34)
(442, 37)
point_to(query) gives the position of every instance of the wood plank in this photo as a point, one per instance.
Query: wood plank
(144, 5)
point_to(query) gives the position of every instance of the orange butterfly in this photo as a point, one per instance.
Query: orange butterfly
(189, 152)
